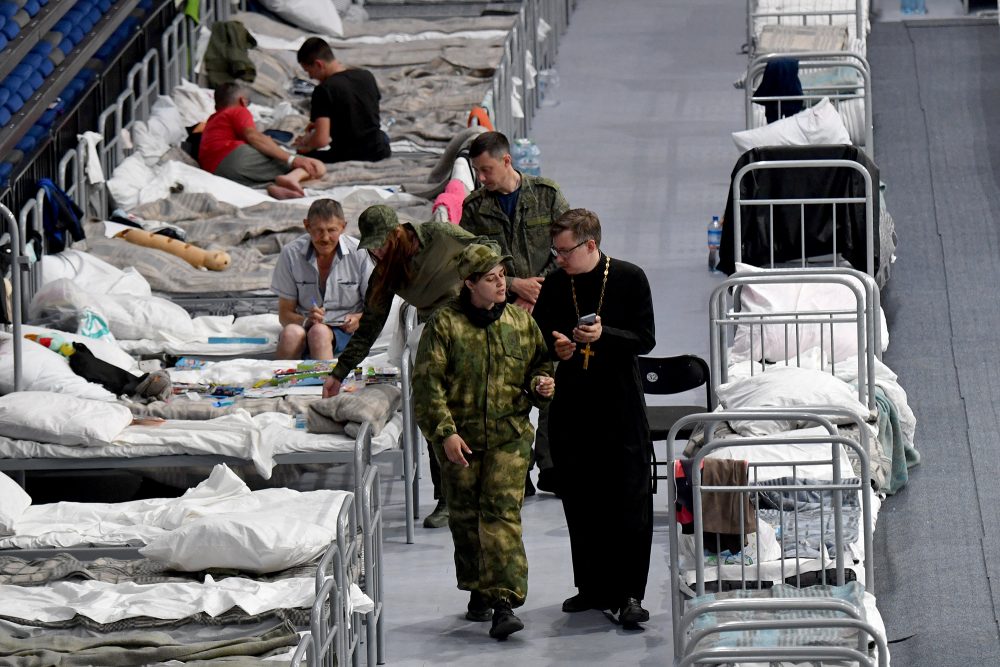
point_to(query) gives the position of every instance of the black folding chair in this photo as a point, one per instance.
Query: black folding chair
(672, 375)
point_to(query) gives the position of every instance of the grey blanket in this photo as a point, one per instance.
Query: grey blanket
(375, 404)
(184, 408)
(137, 647)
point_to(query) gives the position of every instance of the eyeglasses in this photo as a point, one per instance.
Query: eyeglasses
(556, 252)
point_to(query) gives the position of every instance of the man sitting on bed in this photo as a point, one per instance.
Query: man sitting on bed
(233, 147)
(320, 279)
(344, 112)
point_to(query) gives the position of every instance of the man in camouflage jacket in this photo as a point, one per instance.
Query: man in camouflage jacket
(516, 211)
(480, 367)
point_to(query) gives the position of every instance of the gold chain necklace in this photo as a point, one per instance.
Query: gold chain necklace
(586, 351)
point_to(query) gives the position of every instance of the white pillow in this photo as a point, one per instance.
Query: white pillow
(258, 543)
(319, 16)
(801, 298)
(128, 180)
(105, 350)
(789, 452)
(148, 143)
(13, 501)
(787, 386)
(165, 121)
(819, 124)
(43, 370)
(44, 416)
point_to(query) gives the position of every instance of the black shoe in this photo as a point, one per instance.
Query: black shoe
(479, 610)
(505, 623)
(439, 517)
(548, 480)
(529, 488)
(632, 612)
(581, 602)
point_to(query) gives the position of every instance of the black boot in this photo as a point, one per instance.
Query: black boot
(505, 623)
(479, 610)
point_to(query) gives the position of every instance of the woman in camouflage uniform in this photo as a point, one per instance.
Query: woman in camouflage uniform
(480, 367)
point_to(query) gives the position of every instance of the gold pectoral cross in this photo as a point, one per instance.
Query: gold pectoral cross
(587, 354)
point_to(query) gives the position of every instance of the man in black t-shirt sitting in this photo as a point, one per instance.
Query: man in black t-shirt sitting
(345, 115)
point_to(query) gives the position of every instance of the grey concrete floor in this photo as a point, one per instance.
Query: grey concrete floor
(640, 135)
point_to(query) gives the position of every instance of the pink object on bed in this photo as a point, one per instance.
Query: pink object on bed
(452, 198)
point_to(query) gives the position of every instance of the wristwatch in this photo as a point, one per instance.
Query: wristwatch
(291, 159)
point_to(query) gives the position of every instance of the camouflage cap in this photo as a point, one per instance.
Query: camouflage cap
(478, 258)
(375, 224)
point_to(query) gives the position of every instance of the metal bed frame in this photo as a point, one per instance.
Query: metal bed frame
(868, 200)
(332, 636)
(837, 93)
(725, 316)
(832, 613)
(854, 14)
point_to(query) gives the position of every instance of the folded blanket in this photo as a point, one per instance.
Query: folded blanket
(374, 404)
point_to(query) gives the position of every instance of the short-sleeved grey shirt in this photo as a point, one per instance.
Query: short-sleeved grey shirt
(296, 276)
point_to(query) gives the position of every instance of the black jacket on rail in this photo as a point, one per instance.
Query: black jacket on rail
(805, 183)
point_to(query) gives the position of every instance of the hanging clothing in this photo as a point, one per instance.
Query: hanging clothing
(598, 430)
(227, 57)
(781, 79)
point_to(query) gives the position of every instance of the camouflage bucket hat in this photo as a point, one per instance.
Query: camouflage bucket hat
(375, 224)
(478, 258)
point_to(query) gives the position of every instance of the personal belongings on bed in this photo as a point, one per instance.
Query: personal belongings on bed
(197, 257)
(305, 373)
(237, 340)
(83, 362)
(375, 404)
(61, 217)
(227, 58)
(726, 517)
(781, 79)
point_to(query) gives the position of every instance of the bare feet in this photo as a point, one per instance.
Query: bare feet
(286, 182)
(279, 192)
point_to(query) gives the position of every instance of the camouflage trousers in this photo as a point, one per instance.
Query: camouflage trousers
(484, 504)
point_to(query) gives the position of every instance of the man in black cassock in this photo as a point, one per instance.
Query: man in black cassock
(598, 429)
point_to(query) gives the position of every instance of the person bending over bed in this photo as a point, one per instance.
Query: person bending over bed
(417, 262)
(321, 280)
(233, 147)
(480, 367)
(344, 113)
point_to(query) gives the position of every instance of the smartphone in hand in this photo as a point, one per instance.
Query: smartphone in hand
(587, 320)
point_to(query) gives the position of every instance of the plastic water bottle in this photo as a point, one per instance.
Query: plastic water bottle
(548, 82)
(714, 240)
(527, 157)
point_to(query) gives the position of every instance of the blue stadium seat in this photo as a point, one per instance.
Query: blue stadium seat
(14, 102)
(4, 116)
(8, 9)
(4, 95)
(5, 169)
(31, 7)
(43, 48)
(3, 40)
(26, 144)
(10, 29)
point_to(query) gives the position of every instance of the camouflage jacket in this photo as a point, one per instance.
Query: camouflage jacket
(477, 381)
(434, 281)
(526, 237)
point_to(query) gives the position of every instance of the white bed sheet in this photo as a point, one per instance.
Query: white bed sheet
(106, 603)
(68, 524)
(256, 439)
